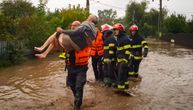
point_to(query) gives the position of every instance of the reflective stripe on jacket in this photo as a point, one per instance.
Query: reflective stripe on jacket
(110, 49)
(123, 49)
(138, 43)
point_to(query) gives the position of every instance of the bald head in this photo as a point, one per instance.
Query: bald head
(75, 24)
(93, 18)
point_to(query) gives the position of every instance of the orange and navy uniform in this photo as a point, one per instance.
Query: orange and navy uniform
(76, 58)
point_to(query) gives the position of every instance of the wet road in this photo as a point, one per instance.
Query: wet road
(167, 84)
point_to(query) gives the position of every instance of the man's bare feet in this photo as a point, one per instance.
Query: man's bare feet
(40, 56)
(39, 49)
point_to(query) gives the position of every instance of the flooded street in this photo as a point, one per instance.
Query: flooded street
(167, 84)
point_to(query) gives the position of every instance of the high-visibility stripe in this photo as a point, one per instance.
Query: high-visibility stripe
(120, 86)
(106, 47)
(138, 58)
(143, 42)
(111, 45)
(127, 46)
(127, 82)
(122, 59)
(113, 59)
(127, 52)
(111, 52)
(136, 46)
(62, 55)
(120, 48)
(131, 73)
(146, 46)
(106, 60)
(125, 60)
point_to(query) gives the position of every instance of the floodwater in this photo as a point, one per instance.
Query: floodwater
(167, 84)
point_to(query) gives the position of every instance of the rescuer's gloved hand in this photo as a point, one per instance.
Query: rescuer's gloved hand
(145, 52)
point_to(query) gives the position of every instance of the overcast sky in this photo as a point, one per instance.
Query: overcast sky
(174, 6)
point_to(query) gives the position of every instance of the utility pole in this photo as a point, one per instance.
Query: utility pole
(133, 19)
(88, 5)
(160, 20)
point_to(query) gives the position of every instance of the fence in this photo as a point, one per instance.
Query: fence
(3, 45)
(184, 39)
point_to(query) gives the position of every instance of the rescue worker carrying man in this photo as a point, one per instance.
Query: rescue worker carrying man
(96, 54)
(109, 57)
(123, 56)
(77, 66)
(138, 44)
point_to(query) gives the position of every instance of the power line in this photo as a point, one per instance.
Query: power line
(104, 4)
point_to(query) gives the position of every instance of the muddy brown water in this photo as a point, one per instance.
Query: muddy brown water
(167, 84)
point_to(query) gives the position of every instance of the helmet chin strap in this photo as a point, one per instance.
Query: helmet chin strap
(133, 33)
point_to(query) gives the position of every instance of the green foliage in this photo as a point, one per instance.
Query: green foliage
(16, 8)
(34, 30)
(70, 15)
(25, 26)
(147, 29)
(135, 12)
(107, 17)
(176, 24)
(190, 26)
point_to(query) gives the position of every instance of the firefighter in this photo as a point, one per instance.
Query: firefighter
(96, 54)
(123, 56)
(109, 57)
(138, 45)
(77, 66)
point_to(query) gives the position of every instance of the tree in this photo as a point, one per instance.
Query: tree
(190, 26)
(135, 12)
(107, 16)
(70, 15)
(16, 8)
(176, 23)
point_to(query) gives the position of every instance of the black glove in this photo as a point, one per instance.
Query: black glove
(145, 52)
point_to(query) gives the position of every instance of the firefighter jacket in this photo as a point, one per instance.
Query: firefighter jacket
(123, 48)
(97, 45)
(137, 44)
(76, 58)
(110, 48)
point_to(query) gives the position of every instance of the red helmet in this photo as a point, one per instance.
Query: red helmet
(106, 28)
(119, 26)
(134, 28)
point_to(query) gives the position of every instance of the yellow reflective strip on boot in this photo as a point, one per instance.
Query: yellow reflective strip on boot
(131, 73)
(120, 86)
(127, 83)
